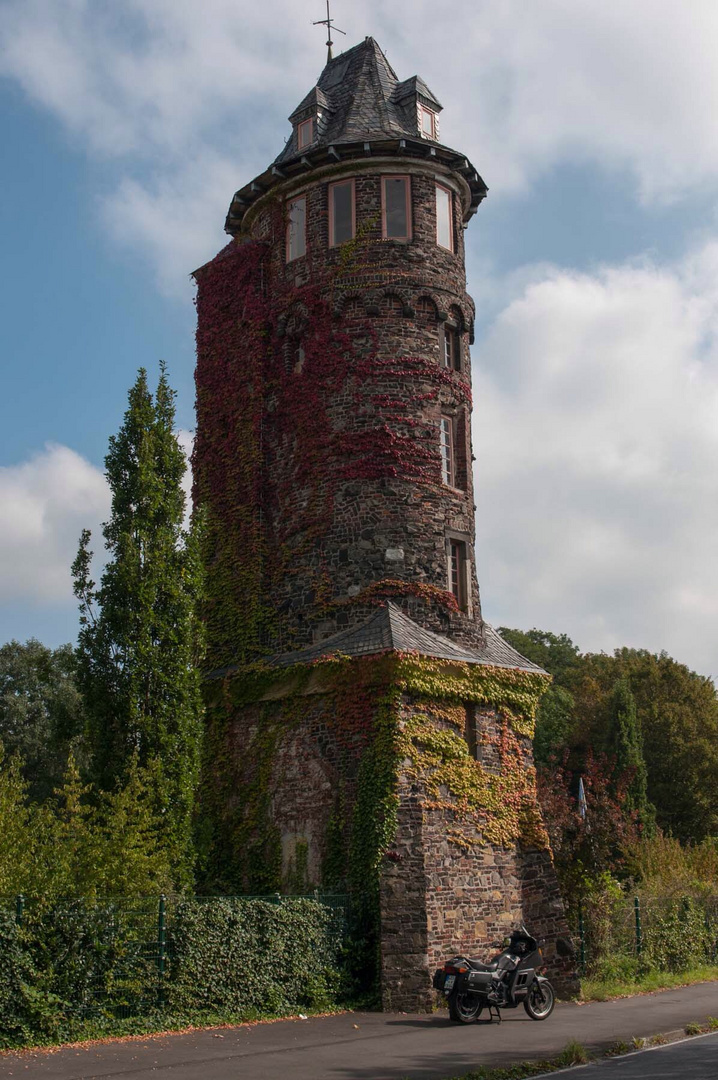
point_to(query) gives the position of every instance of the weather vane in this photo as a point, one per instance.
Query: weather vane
(329, 23)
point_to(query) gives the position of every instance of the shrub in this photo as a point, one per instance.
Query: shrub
(15, 973)
(677, 934)
(253, 956)
(94, 959)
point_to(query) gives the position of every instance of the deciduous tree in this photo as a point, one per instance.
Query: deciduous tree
(41, 712)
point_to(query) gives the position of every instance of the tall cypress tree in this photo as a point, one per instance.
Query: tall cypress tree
(139, 633)
(625, 746)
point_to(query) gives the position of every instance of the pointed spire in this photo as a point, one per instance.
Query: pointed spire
(329, 23)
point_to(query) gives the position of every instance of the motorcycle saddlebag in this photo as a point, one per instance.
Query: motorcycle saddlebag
(438, 980)
(479, 981)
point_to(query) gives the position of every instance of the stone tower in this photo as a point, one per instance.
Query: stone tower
(368, 731)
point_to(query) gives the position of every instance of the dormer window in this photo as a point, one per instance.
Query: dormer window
(427, 122)
(305, 133)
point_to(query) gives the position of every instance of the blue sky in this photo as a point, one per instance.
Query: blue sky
(594, 264)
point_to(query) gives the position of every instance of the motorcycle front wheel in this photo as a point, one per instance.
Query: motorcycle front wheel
(464, 1008)
(540, 1000)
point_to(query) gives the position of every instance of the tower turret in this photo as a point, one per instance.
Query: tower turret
(333, 460)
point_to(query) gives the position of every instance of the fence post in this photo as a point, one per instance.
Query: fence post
(19, 908)
(581, 938)
(161, 950)
(639, 932)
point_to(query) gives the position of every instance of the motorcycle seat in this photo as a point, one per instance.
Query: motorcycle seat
(479, 965)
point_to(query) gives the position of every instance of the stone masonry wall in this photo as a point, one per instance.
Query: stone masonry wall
(292, 767)
(352, 494)
(469, 896)
(445, 887)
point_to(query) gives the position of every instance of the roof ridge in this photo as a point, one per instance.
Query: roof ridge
(372, 70)
(378, 49)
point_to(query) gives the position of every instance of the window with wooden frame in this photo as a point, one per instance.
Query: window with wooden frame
(427, 121)
(444, 217)
(451, 346)
(396, 207)
(447, 443)
(342, 212)
(305, 133)
(462, 450)
(458, 571)
(297, 228)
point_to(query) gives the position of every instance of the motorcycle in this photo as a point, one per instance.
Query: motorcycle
(510, 978)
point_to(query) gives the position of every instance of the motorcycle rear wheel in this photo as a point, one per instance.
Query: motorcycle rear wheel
(540, 1000)
(464, 1008)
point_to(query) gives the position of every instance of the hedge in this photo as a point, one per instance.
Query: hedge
(80, 968)
(253, 956)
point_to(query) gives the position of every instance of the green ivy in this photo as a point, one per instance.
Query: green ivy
(253, 955)
(16, 1006)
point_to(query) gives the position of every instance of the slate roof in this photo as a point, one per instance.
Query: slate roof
(390, 630)
(363, 109)
(364, 100)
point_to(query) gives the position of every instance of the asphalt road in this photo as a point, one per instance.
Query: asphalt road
(696, 1059)
(369, 1046)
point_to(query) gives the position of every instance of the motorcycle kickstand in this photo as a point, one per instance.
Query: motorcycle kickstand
(494, 1009)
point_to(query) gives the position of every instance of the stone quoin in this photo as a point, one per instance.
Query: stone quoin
(368, 732)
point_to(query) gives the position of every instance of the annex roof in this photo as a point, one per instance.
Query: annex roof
(390, 630)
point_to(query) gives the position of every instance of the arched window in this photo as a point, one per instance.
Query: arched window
(390, 304)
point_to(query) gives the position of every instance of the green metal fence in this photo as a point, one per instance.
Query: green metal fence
(660, 933)
(114, 956)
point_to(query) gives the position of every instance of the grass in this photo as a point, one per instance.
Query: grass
(606, 987)
(572, 1054)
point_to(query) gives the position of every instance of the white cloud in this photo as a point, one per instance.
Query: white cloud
(175, 222)
(150, 76)
(191, 99)
(46, 502)
(597, 442)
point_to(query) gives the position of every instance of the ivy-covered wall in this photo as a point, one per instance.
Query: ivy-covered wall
(357, 775)
(321, 385)
(320, 389)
